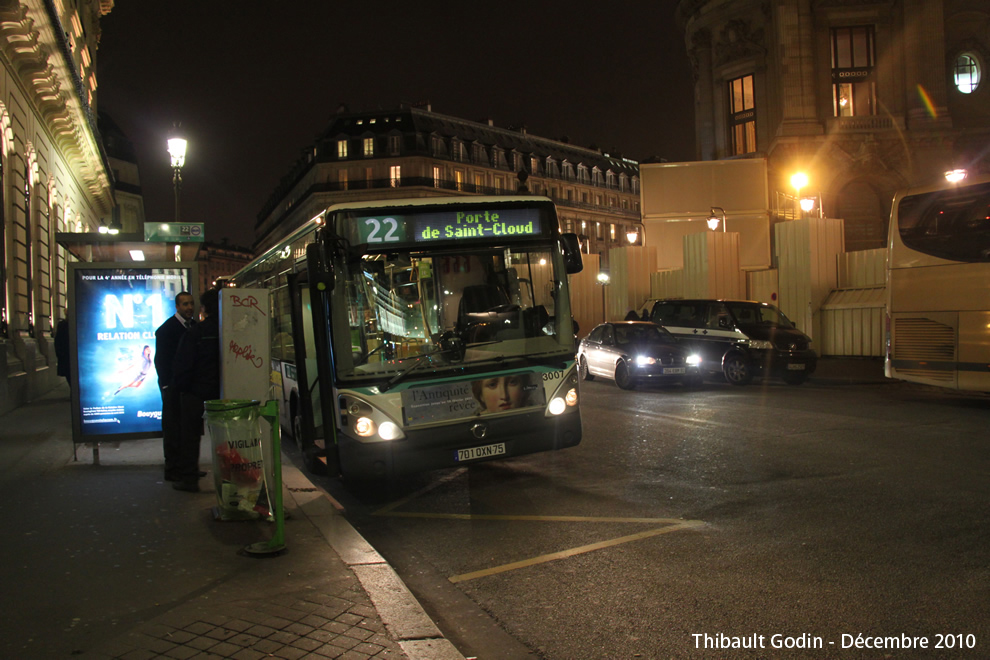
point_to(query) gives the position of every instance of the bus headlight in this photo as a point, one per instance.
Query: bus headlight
(389, 431)
(571, 398)
(364, 427)
(557, 405)
(693, 360)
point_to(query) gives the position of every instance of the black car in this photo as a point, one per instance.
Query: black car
(740, 339)
(634, 352)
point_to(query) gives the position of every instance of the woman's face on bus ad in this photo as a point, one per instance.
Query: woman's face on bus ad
(502, 393)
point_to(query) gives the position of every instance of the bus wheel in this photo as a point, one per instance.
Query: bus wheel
(737, 370)
(622, 377)
(583, 369)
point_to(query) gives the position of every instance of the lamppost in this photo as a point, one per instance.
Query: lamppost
(798, 181)
(713, 219)
(603, 279)
(177, 150)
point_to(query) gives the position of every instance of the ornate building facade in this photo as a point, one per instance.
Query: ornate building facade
(54, 176)
(414, 152)
(864, 97)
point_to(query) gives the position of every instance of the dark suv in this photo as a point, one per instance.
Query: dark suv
(739, 338)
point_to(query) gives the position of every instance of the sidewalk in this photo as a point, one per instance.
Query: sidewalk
(109, 561)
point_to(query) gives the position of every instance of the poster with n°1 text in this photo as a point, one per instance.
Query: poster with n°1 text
(116, 312)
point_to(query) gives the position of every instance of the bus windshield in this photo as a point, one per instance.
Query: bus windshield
(449, 308)
(951, 224)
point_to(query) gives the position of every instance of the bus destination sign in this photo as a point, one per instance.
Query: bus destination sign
(438, 226)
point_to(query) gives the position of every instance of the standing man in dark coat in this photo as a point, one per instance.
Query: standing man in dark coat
(167, 338)
(196, 374)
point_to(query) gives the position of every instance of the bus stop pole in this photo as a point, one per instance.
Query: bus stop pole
(276, 545)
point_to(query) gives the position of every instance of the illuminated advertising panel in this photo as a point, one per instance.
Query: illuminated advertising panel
(114, 312)
(497, 224)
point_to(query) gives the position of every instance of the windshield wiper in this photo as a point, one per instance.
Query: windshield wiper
(394, 380)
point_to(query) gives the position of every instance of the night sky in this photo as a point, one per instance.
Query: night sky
(253, 83)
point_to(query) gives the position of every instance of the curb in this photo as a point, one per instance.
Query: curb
(403, 616)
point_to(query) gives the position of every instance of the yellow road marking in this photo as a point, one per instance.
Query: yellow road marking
(672, 525)
(477, 516)
(542, 559)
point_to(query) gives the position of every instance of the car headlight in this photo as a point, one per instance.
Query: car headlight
(760, 344)
(643, 360)
(693, 360)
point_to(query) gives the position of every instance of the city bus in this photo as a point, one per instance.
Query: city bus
(411, 335)
(938, 298)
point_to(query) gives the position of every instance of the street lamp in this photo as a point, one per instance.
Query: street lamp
(635, 232)
(603, 279)
(713, 219)
(798, 180)
(955, 176)
(177, 150)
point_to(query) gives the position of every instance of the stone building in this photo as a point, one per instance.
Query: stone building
(54, 176)
(414, 152)
(219, 260)
(864, 97)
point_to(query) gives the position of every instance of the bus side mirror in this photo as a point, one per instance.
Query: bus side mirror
(571, 246)
(320, 270)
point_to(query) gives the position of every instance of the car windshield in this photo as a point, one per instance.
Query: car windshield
(749, 314)
(641, 334)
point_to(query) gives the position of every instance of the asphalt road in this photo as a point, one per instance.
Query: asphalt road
(686, 521)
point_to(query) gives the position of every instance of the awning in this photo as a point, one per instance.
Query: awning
(92, 247)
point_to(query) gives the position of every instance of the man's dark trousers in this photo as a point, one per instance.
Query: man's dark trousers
(171, 431)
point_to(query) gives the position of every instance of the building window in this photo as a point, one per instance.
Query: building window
(966, 73)
(742, 116)
(394, 144)
(341, 148)
(342, 179)
(395, 176)
(369, 146)
(459, 179)
(436, 176)
(853, 58)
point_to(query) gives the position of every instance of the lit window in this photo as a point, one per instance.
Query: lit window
(395, 175)
(742, 115)
(436, 176)
(967, 73)
(854, 91)
(369, 146)
(341, 148)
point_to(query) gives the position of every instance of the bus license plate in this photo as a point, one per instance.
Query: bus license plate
(673, 370)
(480, 452)
(795, 367)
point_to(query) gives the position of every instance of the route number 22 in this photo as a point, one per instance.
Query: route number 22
(389, 225)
